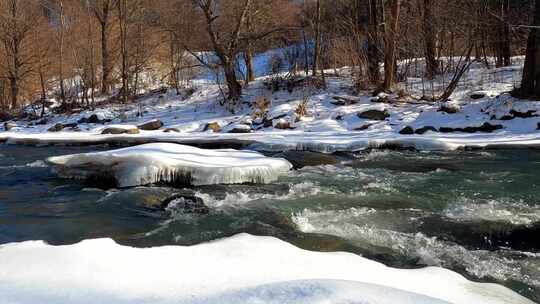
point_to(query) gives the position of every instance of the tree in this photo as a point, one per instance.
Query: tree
(530, 83)
(102, 11)
(225, 50)
(317, 47)
(61, 40)
(18, 18)
(373, 41)
(429, 39)
(390, 44)
(121, 6)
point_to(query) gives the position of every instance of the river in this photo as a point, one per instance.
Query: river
(475, 212)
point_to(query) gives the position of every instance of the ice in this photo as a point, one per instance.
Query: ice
(171, 163)
(243, 268)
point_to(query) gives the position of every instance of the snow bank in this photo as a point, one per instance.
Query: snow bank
(172, 163)
(240, 269)
(326, 142)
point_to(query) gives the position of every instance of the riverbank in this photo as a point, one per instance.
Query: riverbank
(332, 119)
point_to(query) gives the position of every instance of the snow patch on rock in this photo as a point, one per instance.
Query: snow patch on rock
(171, 163)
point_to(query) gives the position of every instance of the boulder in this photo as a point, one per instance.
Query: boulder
(374, 115)
(449, 108)
(93, 119)
(56, 128)
(267, 123)
(240, 129)
(488, 128)
(170, 130)
(484, 128)
(528, 114)
(300, 159)
(282, 124)
(363, 127)
(423, 130)
(343, 101)
(59, 127)
(118, 130)
(407, 131)
(447, 130)
(9, 125)
(478, 95)
(151, 125)
(214, 126)
(187, 203)
(5, 116)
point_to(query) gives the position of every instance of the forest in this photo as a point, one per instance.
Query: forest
(73, 51)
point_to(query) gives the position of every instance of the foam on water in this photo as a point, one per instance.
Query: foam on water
(37, 164)
(511, 211)
(357, 225)
(296, 191)
(34, 164)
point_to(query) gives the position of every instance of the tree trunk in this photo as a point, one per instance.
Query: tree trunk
(316, 51)
(122, 14)
(506, 50)
(235, 89)
(530, 83)
(43, 92)
(14, 92)
(306, 50)
(429, 39)
(42, 83)
(373, 39)
(105, 71)
(248, 57)
(61, 55)
(391, 29)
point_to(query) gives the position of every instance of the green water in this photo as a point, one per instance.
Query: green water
(475, 212)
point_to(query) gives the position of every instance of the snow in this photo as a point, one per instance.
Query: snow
(326, 127)
(242, 268)
(173, 163)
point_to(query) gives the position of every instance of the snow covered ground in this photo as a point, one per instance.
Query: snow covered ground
(336, 120)
(243, 268)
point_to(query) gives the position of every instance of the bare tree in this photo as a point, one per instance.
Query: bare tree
(18, 18)
(390, 48)
(317, 47)
(227, 50)
(530, 83)
(103, 10)
(428, 26)
(373, 42)
(122, 22)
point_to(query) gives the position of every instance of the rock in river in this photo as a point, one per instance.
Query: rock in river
(185, 203)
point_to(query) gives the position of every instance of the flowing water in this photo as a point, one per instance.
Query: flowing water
(475, 212)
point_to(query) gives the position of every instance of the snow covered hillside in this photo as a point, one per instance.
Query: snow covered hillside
(480, 114)
(243, 268)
